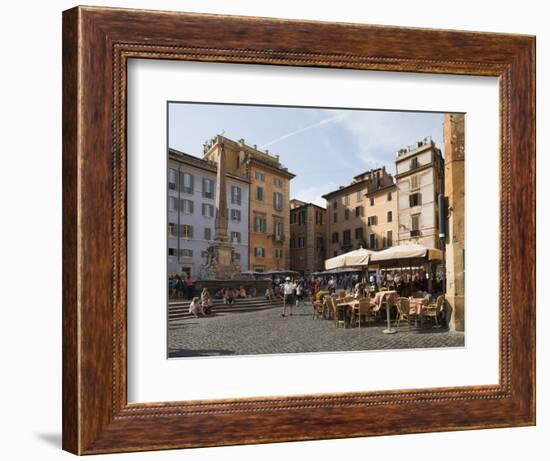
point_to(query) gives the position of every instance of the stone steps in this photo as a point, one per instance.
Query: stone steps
(179, 310)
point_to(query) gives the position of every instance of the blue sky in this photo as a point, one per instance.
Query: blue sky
(325, 148)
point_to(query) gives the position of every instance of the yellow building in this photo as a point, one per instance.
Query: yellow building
(364, 213)
(269, 208)
(453, 134)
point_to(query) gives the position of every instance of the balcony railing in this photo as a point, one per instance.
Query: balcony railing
(415, 233)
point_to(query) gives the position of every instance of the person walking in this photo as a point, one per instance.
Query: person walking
(315, 287)
(289, 289)
(331, 285)
(299, 294)
(180, 288)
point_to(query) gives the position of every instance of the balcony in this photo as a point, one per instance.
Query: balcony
(278, 238)
(415, 233)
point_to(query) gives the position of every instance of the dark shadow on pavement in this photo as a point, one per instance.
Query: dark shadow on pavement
(199, 353)
(432, 330)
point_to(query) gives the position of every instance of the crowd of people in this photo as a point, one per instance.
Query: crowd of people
(403, 281)
(181, 286)
(201, 306)
(293, 292)
(229, 295)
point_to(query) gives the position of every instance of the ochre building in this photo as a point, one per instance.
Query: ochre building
(453, 133)
(269, 207)
(362, 214)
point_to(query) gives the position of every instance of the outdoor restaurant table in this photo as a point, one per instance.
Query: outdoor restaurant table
(388, 298)
(348, 307)
(385, 296)
(417, 304)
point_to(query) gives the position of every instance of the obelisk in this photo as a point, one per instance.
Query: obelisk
(220, 263)
(221, 195)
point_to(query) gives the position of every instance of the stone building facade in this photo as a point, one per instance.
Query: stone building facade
(420, 180)
(453, 134)
(269, 208)
(191, 213)
(307, 237)
(364, 213)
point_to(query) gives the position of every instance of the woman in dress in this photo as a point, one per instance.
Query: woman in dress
(195, 308)
(206, 302)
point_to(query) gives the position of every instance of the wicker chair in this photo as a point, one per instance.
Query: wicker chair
(328, 308)
(339, 314)
(404, 311)
(332, 306)
(363, 311)
(318, 307)
(432, 311)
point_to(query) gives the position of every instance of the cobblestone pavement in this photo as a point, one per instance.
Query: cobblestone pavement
(266, 332)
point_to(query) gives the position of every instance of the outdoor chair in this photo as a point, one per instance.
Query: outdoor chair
(338, 312)
(432, 311)
(363, 311)
(318, 307)
(340, 316)
(404, 311)
(328, 308)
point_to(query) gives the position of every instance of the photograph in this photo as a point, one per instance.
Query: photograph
(259, 235)
(313, 229)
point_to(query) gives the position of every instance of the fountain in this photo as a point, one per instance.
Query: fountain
(221, 270)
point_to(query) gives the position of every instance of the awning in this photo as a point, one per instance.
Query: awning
(353, 259)
(407, 252)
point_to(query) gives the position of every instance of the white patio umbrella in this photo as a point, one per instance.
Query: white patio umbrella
(407, 252)
(355, 258)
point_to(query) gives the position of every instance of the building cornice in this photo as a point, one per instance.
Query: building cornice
(358, 185)
(348, 188)
(196, 162)
(382, 189)
(272, 168)
(305, 205)
(415, 170)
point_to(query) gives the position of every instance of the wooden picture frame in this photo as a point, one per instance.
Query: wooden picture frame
(97, 43)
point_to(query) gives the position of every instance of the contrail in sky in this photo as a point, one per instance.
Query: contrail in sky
(334, 118)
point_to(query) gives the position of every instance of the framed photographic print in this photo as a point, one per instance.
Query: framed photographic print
(284, 230)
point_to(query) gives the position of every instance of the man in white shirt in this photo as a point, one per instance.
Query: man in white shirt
(331, 285)
(288, 295)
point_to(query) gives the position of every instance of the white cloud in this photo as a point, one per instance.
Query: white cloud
(334, 118)
(380, 134)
